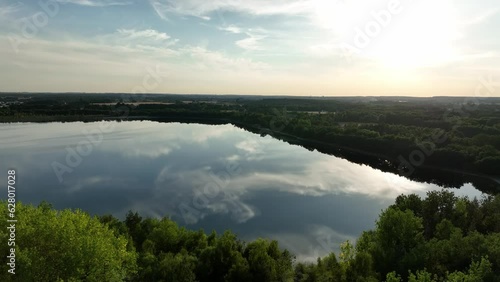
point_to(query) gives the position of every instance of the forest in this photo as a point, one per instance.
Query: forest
(442, 237)
(449, 141)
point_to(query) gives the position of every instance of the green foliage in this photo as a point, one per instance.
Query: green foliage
(478, 272)
(177, 267)
(421, 276)
(67, 246)
(326, 269)
(398, 233)
(439, 238)
(392, 277)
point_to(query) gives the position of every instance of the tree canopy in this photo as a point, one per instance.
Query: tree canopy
(442, 237)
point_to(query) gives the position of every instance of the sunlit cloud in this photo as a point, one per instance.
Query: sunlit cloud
(218, 61)
(295, 47)
(253, 39)
(203, 9)
(141, 34)
(95, 3)
(231, 29)
(251, 43)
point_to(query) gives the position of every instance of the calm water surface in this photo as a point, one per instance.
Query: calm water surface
(203, 176)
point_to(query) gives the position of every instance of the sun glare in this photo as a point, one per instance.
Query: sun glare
(337, 16)
(396, 34)
(422, 35)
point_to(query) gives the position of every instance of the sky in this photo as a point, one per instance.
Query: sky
(293, 47)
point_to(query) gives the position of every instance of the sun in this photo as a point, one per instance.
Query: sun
(396, 34)
(422, 35)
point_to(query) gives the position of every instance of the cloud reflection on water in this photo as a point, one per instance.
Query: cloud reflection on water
(281, 191)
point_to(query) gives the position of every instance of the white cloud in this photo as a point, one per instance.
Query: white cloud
(325, 176)
(9, 9)
(199, 8)
(148, 40)
(217, 61)
(148, 34)
(249, 43)
(99, 60)
(254, 36)
(95, 3)
(295, 56)
(192, 195)
(9, 14)
(253, 41)
(120, 57)
(232, 29)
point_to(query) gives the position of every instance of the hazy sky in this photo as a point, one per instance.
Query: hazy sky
(294, 47)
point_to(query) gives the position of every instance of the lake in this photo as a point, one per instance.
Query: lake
(203, 176)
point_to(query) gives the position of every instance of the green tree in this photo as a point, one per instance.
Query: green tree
(421, 276)
(409, 202)
(397, 233)
(177, 267)
(392, 277)
(437, 206)
(67, 245)
(217, 260)
(478, 272)
(267, 262)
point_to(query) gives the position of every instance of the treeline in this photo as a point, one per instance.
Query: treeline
(437, 133)
(408, 136)
(440, 238)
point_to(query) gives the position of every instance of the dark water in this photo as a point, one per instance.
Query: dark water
(203, 176)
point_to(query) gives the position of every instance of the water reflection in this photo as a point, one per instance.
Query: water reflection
(205, 176)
